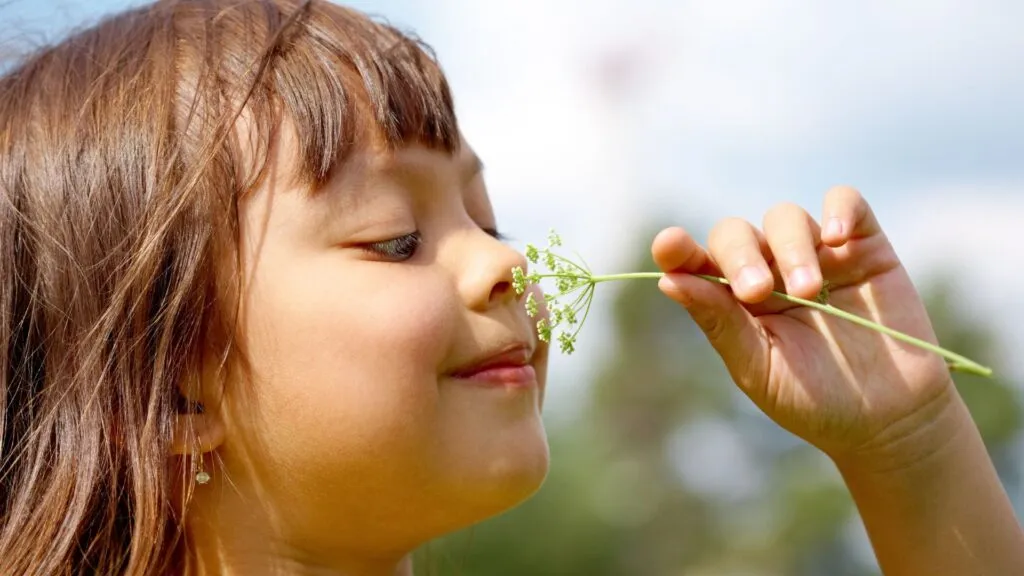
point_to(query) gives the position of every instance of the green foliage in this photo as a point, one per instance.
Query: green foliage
(994, 405)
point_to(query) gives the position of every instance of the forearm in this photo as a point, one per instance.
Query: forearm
(943, 511)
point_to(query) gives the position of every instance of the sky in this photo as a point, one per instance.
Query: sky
(598, 116)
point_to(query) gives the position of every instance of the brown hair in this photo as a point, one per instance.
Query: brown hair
(120, 171)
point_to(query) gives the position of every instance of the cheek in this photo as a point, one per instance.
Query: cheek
(346, 373)
(350, 423)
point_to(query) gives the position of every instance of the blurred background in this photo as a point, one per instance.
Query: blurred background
(609, 119)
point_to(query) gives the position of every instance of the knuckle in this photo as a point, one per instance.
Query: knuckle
(791, 251)
(732, 257)
(785, 209)
(727, 227)
(790, 239)
(845, 193)
(694, 259)
(729, 234)
(781, 217)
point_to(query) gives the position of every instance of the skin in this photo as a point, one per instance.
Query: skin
(350, 442)
(887, 414)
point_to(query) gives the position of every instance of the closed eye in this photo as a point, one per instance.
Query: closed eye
(396, 249)
(494, 233)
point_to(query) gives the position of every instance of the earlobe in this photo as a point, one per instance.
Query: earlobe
(197, 433)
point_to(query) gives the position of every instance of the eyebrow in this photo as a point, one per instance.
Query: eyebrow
(468, 168)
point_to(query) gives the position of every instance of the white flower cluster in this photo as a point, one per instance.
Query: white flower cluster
(573, 284)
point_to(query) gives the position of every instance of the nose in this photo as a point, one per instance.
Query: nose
(486, 275)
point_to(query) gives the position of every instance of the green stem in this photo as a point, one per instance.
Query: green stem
(956, 361)
(629, 276)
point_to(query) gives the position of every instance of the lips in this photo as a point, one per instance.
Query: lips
(509, 366)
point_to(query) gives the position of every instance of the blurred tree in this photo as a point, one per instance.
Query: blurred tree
(670, 471)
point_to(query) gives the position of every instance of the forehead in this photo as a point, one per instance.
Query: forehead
(414, 166)
(418, 162)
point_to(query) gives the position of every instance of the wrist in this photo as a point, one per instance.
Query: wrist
(915, 442)
(931, 499)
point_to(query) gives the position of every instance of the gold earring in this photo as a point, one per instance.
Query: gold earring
(202, 476)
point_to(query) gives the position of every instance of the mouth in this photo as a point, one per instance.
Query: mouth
(506, 367)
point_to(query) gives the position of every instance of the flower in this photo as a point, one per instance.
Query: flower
(570, 278)
(554, 239)
(518, 280)
(531, 305)
(532, 254)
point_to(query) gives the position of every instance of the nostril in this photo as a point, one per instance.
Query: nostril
(501, 289)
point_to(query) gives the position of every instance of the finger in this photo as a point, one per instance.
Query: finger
(739, 250)
(793, 237)
(732, 331)
(847, 216)
(674, 250)
(862, 250)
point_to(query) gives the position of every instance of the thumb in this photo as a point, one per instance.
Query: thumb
(737, 336)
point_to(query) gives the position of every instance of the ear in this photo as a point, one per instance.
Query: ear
(196, 433)
(199, 424)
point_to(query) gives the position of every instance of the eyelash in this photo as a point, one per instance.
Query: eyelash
(398, 249)
(404, 247)
(494, 233)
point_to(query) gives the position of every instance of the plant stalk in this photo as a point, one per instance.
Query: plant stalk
(954, 360)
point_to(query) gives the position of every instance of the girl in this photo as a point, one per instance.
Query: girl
(256, 317)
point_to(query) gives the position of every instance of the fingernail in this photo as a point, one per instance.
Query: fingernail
(751, 277)
(834, 228)
(801, 277)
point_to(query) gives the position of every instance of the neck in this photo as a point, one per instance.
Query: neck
(207, 562)
(263, 564)
(226, 538)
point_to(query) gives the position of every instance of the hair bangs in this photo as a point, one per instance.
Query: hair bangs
(347, 82)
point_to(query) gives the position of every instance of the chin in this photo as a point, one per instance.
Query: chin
(517, 476)
(502, 480)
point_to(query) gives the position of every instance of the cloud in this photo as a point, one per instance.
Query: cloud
(977, 233)
(737, 104)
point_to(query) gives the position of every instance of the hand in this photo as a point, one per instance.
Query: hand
(843, 388)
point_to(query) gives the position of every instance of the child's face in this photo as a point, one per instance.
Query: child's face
(356, 426)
